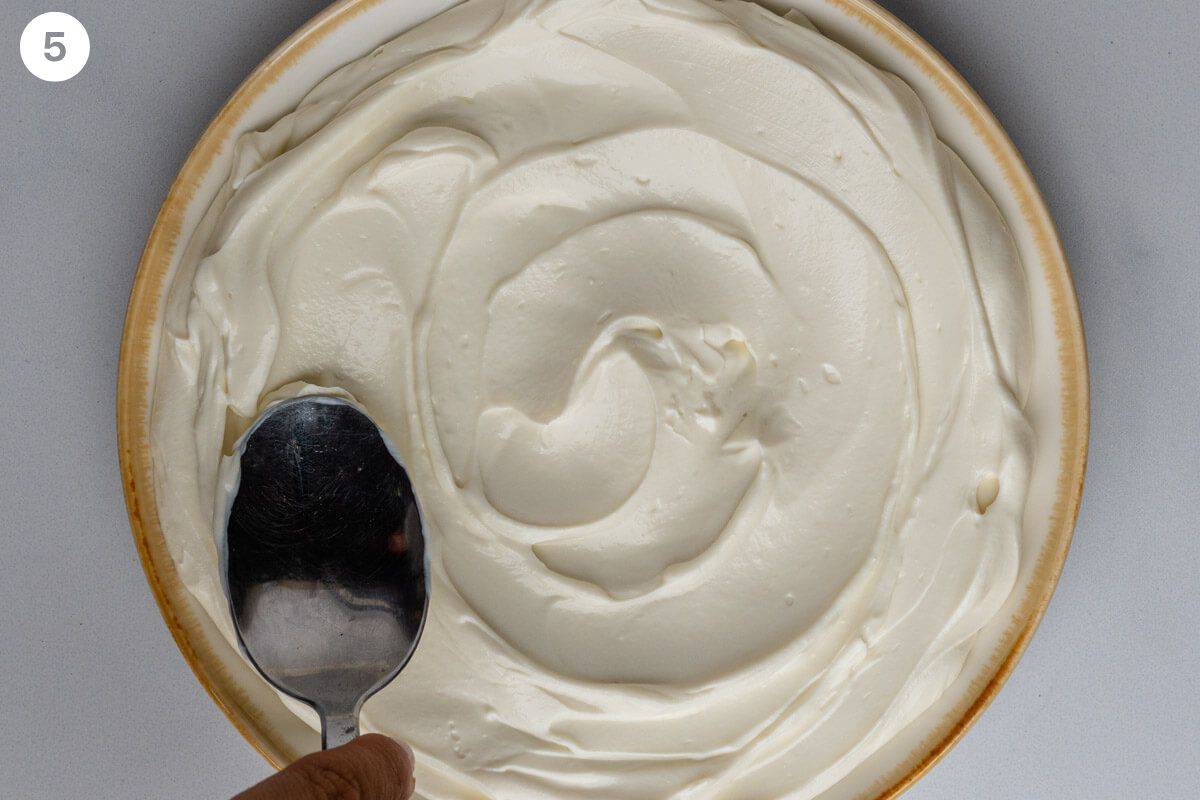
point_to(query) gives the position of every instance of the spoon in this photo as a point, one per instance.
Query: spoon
(324, 558)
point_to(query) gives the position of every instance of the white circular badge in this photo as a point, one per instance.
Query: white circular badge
(55, 46)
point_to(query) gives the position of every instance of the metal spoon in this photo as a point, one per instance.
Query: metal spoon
(324, 558)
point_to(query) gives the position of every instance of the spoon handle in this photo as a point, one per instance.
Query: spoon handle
(338, 728)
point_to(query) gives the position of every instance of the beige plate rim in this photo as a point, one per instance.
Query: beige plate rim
(141, 331)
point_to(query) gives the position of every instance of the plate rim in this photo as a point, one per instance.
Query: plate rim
(141, 329)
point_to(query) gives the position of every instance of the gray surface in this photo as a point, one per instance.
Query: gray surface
(1101, 98)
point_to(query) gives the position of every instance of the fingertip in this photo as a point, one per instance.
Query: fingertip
(397, 757)
(387, 746)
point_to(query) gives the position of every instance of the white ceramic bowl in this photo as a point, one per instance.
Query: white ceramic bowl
(1058, 404)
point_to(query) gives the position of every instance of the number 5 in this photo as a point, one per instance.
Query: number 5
(59, 48)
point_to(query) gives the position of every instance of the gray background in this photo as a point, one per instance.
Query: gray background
(1102, 99)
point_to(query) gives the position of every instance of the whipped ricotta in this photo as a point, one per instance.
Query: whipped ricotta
(707, 361)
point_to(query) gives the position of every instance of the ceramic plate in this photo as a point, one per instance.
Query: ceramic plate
(1058, 403)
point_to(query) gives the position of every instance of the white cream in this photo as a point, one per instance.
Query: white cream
(706, 359)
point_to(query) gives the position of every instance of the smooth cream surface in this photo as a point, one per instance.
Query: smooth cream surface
(706, 358)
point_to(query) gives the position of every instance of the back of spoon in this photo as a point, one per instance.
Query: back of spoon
(324, 557)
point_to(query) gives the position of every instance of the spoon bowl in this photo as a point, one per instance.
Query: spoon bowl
(324, 557)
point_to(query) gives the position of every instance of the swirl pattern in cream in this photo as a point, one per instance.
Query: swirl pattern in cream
(707, 360)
